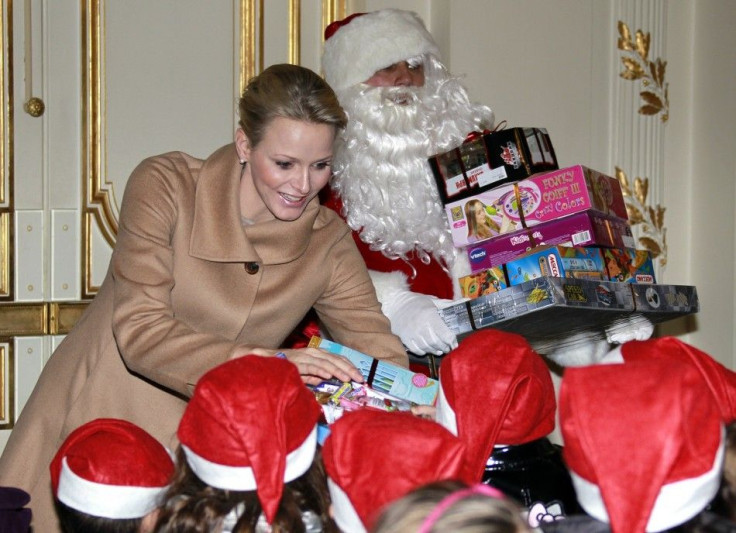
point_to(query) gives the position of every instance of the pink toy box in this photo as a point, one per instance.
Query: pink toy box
(588, 228)
(542, 197)
(557, 261)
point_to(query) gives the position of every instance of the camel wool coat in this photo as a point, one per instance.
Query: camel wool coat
(189, 286)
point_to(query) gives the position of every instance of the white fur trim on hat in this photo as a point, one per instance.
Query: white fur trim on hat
(106, 501)
(676, 502)
(344, 513)
(374, 41)
(444, 413)
(242, 477)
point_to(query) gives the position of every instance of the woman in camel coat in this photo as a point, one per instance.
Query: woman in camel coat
(214, 259)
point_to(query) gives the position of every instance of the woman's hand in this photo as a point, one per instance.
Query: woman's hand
(315, 365)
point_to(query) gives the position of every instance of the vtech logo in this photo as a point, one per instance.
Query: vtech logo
(477, 255)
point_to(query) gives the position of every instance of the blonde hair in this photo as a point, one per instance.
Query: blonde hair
(475, 512)
(287, 91)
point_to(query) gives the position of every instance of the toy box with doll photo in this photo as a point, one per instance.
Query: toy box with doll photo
(385, 377)
(529, 202)
(490, 159)
(588, 228)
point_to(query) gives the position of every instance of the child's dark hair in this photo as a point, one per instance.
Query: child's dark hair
(73, 521)
(190, 505)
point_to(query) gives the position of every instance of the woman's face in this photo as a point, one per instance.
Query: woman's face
(289, 166)
(480, 214)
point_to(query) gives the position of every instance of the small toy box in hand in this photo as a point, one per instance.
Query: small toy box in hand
(557, 261)
(490, 159)
(529, 202)
(383, 376)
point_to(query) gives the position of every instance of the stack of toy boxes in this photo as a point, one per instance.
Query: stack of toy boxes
(505, 195)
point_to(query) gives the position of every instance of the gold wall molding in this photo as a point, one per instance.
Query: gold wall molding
(7, 384)
(7, 238)
(42, 318)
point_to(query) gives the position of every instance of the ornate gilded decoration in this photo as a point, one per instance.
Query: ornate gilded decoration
(649, 219)
(637, 66)
(7, 385)
(6, 158)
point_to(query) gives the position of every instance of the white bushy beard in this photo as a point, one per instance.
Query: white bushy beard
(380, 162)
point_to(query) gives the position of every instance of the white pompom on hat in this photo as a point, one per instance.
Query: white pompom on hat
(644, 442)
(251, 424)
(111, 468)
(363, 43)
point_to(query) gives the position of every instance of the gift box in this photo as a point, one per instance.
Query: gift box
(483, 282)
(588, 228)
(556, 261)
(385, 377)
(491, 159)
(543, 307)
(629, 265)
(547, 310)
(529, 202)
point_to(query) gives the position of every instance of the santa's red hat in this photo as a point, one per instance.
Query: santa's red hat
(495, 390)
(251, 424)
(644, 442)
(361, 44)
(721, 380)
(111, 468)
(373, 458)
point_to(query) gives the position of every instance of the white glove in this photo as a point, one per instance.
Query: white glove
(415, 320)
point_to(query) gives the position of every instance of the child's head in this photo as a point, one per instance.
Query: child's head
(644, 442)
(109, 475)
(452, 506)
(495, 390)
(248, 451)
(374, 457)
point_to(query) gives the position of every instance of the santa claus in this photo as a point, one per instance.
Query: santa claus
(403, 106)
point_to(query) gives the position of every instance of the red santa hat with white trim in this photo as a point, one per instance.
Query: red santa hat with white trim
(495, 390)
(251, 424)
(363, 43)
(644, 442)
(721, 380)
(374, 457)
(111, 468)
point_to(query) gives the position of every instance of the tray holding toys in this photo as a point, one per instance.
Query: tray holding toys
(546, 310)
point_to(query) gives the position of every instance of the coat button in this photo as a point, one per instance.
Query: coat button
(251, 268)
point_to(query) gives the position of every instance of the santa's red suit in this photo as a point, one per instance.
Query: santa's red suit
(426, 278)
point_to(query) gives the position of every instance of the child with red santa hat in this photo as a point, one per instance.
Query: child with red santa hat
(248, 458)
(109, 475)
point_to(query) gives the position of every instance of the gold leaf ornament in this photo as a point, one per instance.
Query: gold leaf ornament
(649, 219)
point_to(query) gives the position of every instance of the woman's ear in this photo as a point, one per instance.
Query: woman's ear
(242, 145)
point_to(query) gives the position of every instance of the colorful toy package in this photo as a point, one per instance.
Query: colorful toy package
(529, 202)
(557, 261)
(383, 376)
(629, 265)
(490, 159)
(588, 228)
(483, 282)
